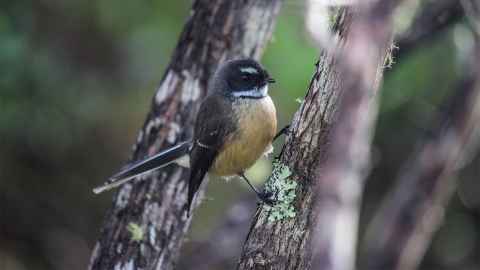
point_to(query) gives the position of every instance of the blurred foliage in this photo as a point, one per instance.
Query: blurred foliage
(76, 78)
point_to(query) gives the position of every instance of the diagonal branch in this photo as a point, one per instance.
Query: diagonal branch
(146, 225)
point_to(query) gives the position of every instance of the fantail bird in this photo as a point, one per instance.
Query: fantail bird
(235, 126)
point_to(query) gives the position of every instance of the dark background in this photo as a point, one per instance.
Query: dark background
(76, 79)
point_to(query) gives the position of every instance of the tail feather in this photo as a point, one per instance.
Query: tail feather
(193, 186)
(157, 161)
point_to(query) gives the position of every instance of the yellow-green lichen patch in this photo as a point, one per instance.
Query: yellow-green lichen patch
(136, 232)
(282, 189)
(389, 61)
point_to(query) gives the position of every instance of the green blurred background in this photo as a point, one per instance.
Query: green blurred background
(76, 79)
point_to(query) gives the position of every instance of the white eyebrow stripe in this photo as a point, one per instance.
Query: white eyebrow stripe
(250, 70)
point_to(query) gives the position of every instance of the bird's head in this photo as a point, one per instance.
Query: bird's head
(244, 78)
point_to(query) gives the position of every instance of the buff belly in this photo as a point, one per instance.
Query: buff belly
(257, 125)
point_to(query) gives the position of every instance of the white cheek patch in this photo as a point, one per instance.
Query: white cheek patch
(252, 93)
(249, 70)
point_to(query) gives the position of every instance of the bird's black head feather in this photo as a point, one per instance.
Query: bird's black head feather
(241, 78)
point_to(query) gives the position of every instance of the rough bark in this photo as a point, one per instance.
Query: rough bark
(146, 224)
(402, 229)
(285, 244)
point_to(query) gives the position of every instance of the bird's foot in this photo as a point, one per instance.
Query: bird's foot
(267, 198)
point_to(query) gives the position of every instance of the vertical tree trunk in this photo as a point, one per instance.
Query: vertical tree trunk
(145, 227)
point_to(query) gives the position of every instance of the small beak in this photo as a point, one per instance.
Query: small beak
(271, 80)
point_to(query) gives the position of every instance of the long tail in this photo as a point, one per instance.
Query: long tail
(157, 161)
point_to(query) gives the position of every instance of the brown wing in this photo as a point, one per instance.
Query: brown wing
(215, 123)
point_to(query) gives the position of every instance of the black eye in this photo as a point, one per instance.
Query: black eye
(245, 77)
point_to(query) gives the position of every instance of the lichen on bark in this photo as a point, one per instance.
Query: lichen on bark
(282, 188)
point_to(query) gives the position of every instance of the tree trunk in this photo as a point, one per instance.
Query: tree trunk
(146, 224)
(285, 243)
